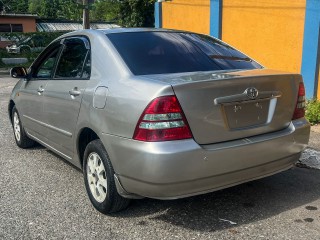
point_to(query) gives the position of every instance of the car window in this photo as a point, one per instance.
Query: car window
(72, 60)
(46, 67)
(87, 67)
(224, 55)
(174, 52)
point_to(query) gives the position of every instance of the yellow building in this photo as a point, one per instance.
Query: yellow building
(279, 34)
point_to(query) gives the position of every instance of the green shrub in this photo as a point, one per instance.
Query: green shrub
(313, 111)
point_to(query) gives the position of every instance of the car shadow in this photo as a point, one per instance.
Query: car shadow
(243, 204)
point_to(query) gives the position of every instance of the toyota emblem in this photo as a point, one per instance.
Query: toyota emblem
(252, 93)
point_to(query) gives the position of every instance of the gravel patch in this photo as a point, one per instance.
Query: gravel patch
(310, 158)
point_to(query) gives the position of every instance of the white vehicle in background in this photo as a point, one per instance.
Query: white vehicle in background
(27, 45)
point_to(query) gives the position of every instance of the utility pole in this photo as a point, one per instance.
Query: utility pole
(86, 23)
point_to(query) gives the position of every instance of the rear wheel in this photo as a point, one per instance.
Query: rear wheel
(22, 140)
(99, 180)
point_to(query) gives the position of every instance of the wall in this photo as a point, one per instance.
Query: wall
(269, 31)
(29, 24)
(190, 15)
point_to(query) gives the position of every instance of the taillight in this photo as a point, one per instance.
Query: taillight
(301, 103)
(162, 120)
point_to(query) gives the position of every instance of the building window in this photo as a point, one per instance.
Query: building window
(17, 27)
(11, 28)
(5, 28)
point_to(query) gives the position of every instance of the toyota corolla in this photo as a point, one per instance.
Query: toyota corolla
(158, 113)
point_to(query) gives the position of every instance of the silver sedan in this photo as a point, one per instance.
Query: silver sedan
(158, 113)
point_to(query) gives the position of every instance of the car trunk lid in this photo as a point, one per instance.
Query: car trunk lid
(223, 106)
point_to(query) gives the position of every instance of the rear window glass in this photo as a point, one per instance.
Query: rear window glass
(173, 52)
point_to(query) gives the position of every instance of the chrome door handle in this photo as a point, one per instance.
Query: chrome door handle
(40, 90)
(74, 92)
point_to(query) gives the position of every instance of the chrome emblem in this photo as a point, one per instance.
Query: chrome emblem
(252, 93)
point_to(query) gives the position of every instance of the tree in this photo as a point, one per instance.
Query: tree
(69, 9)
(105, 10)
(136, 13)
(15, 6)
(35, 6)
(2, 8)
(63, 9)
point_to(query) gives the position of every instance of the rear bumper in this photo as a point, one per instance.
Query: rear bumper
(175, 169)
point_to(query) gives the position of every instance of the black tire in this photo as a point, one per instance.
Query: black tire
(112, 202)
(24, 141)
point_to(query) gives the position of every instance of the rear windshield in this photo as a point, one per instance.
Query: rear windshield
(175, 52)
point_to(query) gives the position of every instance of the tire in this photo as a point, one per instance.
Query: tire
(99, 180)
(22, 140)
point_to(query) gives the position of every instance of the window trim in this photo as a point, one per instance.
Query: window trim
(87, 45)
(60, 43)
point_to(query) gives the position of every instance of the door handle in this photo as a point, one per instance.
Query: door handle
(40, 90)
(75, 92)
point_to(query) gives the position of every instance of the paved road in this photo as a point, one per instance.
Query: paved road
(43, 197)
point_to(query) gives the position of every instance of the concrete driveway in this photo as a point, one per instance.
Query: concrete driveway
(43, 197)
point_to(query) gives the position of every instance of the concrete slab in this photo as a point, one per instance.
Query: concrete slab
(8, 61)
(314, 141)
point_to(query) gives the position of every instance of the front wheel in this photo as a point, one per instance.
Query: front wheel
(99, 180)
(20, 135)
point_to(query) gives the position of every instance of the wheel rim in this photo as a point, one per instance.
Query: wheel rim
(16, 126)
(97, 179)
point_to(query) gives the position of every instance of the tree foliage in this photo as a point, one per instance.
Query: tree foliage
(105, 10)
(136, 13)
(14, 6)
(55, 9)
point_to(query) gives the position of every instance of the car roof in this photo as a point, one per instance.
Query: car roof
(115, 30)
(125, 30)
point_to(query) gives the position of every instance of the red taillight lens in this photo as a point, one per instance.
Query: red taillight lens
(162, 120)
(301, 103)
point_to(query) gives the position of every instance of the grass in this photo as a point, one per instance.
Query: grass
(313, 111)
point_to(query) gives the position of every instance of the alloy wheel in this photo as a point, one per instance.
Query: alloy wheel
(16, 126)
(96, 175)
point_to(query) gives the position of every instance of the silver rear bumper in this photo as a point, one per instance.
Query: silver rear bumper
(175, 169)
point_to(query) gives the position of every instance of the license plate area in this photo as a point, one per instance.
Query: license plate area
(246, 114)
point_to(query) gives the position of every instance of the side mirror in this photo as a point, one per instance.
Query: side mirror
(18, 72)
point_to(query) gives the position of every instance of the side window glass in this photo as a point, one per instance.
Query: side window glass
(46, 67)
(72, 60)
(87, 67)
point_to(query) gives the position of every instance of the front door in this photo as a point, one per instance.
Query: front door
(63, 94)
(31, 93)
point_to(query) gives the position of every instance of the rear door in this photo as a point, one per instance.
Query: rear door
(63, 94)
(31, 94)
